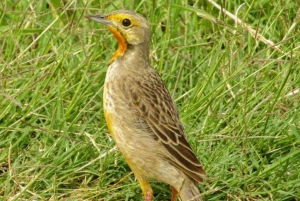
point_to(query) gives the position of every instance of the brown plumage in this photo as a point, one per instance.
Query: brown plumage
(141, 115)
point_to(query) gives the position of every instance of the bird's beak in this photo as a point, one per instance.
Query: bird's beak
(100, 18)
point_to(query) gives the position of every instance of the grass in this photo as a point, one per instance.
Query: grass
(238, 98)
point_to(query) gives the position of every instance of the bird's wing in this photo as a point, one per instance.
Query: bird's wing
(150, 97)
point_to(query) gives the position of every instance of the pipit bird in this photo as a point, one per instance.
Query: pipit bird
(141, 115)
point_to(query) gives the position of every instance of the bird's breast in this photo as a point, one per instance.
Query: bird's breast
(115, 103)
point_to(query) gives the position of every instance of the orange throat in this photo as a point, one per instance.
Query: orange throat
(122, 44)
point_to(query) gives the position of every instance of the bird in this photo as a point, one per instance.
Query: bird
(141, 115)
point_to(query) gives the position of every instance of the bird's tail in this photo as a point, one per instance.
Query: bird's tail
(190, 192)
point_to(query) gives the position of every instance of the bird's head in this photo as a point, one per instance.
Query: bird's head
(128, 27)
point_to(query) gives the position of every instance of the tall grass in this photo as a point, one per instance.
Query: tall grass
(237, 92)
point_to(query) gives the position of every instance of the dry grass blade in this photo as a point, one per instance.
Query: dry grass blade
(254, 33)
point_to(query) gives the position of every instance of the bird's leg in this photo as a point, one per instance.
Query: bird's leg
(174, 193)
(146, 188)
(149, 195)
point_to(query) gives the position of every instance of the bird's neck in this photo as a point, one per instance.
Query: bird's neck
(135, 56)
(140, 51)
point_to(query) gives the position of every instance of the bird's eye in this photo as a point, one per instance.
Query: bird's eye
(126, 22)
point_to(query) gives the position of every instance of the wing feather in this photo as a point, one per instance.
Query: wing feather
(152, 100)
